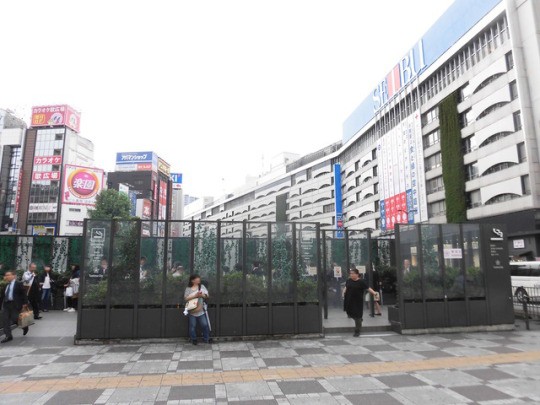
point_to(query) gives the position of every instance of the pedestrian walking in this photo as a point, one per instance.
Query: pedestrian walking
(31, 284)
(353, 298)
(47, 282)
(12, 300)
(194, 297)
(72, 289)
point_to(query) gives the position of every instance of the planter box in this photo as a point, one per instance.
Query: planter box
(230, 321)
(457, 313)
(176, 324)
(436, 317)
(121, 323)
(283, 319)
(257, 321)
(413, 314)
(309, 319)
(92, 323)
(149, 323)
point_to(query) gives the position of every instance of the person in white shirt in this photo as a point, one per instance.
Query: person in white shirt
(46, 282)
(31, 285)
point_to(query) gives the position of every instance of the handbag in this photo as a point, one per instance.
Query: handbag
(26, 318)
(69, 292)
(192, 304)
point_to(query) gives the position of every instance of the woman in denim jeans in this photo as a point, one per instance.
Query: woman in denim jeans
(198, 315)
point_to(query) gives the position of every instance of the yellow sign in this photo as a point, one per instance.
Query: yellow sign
(164, 167)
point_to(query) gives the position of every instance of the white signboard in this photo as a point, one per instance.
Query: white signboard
(519, 243)
(453, 253)
(337, 272)
(42, 207)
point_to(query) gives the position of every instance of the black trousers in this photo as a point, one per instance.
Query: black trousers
(10, 315)
(34, 302)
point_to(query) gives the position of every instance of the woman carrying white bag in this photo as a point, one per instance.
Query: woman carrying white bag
(72, 290)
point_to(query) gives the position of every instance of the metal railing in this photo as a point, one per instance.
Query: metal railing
(527, 303)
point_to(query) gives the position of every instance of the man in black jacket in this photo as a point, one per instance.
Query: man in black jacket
(13, 299)
(31, 283)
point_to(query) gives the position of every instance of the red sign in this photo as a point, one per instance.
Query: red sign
(48, 160)
(147, 209)
(162, 213)
(144, 167)
(81, 185)
(45, 176)
(54, 115)
(396, 210)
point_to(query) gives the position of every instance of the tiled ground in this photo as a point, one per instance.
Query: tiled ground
(481, 368)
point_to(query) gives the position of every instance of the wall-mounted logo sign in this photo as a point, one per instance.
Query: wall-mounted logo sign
(81, 185)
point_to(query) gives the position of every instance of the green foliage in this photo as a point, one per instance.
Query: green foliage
(125, 264)
(75, 246)
(205, 251)
(8, 252)
(110, 204)
(95, 293)
(42, 251)
(452, 160)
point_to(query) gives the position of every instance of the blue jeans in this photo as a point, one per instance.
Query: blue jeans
(203, 324)
(46, 298)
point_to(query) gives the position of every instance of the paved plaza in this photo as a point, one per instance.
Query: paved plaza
(384, 368)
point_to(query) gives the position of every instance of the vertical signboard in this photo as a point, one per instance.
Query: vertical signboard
(338, 202)
(402, 179)
(162, 213)
(176, 179)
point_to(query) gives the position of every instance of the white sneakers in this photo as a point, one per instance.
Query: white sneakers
(69, 309)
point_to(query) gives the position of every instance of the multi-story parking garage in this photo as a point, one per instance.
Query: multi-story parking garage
(450, 134)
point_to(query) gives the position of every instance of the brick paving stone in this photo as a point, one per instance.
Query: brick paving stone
(300, 387)
(481, 393)
(156, 356)
(192, 392)
(281, 362)
(235, 353)
(372, 399)
(401, 380)
(104, 368)
(72, 359)
(75, 397)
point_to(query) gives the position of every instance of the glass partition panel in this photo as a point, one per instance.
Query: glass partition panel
(151, 262)
(454, 279)
(474, 274)
(336, 267)
(42, 252)
(307, 263)
(124, 271)
(433, 279)
(205, 254)
(282, 263)
(95, 266)
(8, 253)
(358, 252)
(256, 263)
(411, 288)
(178, 262)
(231, 264)
(75, 251)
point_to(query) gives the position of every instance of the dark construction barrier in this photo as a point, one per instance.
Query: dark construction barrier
(452, 277)
(263, 278)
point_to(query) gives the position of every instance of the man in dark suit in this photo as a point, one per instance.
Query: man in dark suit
(13, 299)
(31, 283)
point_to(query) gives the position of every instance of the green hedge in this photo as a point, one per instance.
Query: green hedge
(452, 160)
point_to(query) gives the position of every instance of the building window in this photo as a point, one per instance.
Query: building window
(474, 199)
(495, 138)
(430, 116)
(329, 208)
(432, 138)
(517, 121)
(502, 198)
(522, 153)
(509, 61)
(525, 185)
(375, 171)
(435, 185)
(499, 167)
(465, 118)
(433, 161)
(469, 144)
(58, 137)
(513, 90)
(375, 188)
(437, 209)
(490, 109)
(57, 152)
(471, 171)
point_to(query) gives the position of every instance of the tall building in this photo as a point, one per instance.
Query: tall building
(149, 178)
(464, 99)
(12, 132)
(58, 183)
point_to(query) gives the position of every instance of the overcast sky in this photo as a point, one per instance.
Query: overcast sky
(211, 86)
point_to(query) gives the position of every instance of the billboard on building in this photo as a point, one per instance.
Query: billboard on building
(162, 213)
(402, 184)
(164, 167)
(176, 179)
(136, 161)
(338, 203)
(81, 185)
(52, 115)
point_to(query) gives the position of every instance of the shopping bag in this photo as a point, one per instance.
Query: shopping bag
(69, 292)
(26, 318)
